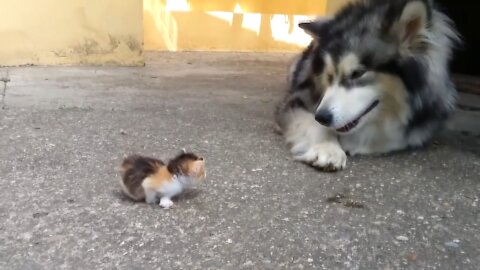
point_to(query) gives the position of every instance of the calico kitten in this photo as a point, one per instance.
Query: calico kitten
(145, 177)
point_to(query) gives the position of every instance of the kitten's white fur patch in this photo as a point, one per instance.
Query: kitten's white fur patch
(173, 188)
(168, 190)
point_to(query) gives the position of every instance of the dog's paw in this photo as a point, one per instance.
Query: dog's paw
(325, 156)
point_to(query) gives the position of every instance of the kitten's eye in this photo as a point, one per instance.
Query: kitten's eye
(357, 74)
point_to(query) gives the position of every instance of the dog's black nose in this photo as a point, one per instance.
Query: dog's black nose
(324, 117)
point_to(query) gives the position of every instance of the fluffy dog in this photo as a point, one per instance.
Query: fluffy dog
(375, 79)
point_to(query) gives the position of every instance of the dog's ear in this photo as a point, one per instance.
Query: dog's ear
(413, 20)
(314, 28)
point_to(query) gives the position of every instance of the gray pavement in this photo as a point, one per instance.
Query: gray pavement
(64, 131)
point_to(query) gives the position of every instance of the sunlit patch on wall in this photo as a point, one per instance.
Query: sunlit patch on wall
(285, 28)
(225, 25)
(177, 5)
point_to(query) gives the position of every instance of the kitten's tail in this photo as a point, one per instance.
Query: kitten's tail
(135, 169)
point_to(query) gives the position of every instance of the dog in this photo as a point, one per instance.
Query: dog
(375, 79)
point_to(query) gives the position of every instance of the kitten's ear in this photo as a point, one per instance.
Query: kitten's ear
(412, 22)
(314, 28)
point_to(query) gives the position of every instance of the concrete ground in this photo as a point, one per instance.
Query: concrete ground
(65, 130)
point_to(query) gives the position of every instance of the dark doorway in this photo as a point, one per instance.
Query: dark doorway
(466, 63)
(466, 16)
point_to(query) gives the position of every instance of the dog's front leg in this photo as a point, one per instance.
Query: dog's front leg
(311, 142)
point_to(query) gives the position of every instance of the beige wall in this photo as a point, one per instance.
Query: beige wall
(98, 32)
(111, 32)
(334, 5)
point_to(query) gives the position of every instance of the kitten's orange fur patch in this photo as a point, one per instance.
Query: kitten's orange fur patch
(159, 178)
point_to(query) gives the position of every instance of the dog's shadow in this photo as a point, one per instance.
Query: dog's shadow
(463, 141)
(460, 141)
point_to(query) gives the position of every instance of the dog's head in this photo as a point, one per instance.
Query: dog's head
(364, 60)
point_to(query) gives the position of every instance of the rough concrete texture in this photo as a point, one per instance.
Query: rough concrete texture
(65, 130)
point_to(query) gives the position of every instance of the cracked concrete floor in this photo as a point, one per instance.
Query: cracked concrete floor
(65, 130)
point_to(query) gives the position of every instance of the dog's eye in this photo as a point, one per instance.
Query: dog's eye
(357, 74)
(330, 78)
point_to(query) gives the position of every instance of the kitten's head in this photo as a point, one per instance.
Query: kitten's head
(188, 164)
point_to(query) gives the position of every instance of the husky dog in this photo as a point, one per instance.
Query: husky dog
(375, 79)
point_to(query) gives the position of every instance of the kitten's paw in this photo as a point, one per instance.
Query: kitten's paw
(166, 203)
(326, 156)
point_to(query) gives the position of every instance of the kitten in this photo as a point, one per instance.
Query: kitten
(145, 177)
